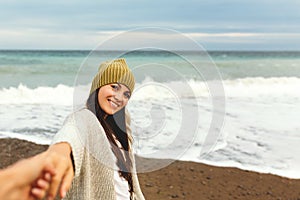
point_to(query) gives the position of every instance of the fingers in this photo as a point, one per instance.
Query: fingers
(38, 193)
(55, 182)
(47, 176)
(40, 188)
(49, 170)
(60, 157)
(66, 183)
(43, 184)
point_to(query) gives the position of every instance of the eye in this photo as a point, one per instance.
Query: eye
(127, 95)
(114, 86)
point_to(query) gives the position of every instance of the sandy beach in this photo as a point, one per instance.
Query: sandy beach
(186, 180)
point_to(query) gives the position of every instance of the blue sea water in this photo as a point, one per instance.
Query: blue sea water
(260, 131)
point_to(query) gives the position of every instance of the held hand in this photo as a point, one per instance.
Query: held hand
(18, 179)
(41, 186)
(59, 154)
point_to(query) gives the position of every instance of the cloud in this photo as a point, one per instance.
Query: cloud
(79, 24)
(41, 39)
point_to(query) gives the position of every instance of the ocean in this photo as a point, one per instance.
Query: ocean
(172, 106)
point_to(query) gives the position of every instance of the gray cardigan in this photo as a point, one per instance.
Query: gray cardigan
(93, 158)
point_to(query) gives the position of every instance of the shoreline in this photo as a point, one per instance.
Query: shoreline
(185, 179)
(46, 144)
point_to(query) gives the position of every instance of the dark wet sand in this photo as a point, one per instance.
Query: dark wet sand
(186, 180)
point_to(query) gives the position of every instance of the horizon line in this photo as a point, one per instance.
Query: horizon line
(186, 50)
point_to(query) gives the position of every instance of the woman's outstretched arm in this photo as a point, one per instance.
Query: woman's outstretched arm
(60, 154)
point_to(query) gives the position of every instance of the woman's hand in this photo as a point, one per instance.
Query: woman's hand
(60, 156)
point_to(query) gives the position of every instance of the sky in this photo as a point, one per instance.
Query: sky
(214, 24)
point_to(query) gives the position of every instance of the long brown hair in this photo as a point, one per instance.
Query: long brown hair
(115, 129)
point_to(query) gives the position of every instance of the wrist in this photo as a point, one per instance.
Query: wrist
(8, 182)
(63, 148)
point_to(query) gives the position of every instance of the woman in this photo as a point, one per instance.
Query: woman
(95, 142)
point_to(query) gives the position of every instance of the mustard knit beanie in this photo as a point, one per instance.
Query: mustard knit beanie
(115, 71)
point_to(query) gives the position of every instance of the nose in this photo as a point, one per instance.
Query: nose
(118, 96)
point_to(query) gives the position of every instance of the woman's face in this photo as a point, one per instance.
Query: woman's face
(113, 97)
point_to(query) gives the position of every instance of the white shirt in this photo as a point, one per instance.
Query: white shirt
(121, 184)
(121, 187)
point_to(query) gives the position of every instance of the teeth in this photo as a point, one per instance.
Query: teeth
(113, 104)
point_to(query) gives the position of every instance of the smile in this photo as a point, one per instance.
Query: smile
(113, 104)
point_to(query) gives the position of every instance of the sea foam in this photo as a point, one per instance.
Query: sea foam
(261, 131)
(246, 87)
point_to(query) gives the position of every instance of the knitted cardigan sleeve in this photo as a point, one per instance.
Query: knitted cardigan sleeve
(83, 132)
(69, 133)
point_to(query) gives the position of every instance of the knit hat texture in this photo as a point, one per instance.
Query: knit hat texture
(115, 71)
